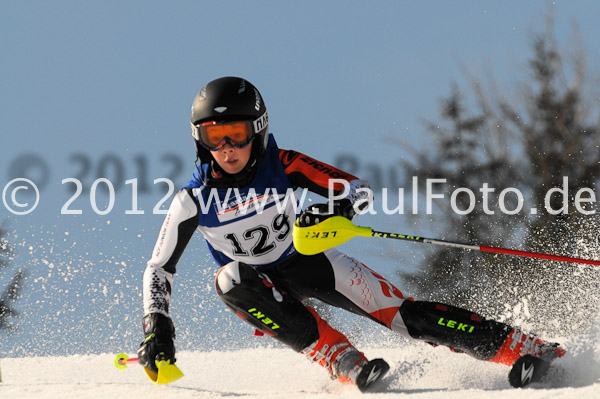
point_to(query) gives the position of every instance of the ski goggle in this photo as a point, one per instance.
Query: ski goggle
(214, 135)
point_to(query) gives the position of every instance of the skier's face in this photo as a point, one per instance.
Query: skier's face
(232, 160)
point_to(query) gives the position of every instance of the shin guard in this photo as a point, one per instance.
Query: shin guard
(459, 329)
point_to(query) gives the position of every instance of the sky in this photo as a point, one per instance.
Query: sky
(104, 89)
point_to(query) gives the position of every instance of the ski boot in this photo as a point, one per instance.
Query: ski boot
(352, 366)
(534, 367)
(529, 357)
(518, 344)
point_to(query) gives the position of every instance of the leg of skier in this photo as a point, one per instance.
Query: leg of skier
(342, 281)
(468, 332)
(272, 311)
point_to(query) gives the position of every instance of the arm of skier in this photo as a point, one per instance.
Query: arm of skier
(350, 193)
(176, 231)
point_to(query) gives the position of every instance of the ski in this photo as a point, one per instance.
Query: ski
(369, 379)
(528, 369)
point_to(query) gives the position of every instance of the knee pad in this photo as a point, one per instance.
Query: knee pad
(227, 277)
(254, 298)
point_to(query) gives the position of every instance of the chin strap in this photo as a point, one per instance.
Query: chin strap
(217, 177)
(198, 168)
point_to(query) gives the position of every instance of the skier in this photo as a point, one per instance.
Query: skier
(263, 279)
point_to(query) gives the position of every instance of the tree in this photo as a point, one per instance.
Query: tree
(527, 143)
(12, 290)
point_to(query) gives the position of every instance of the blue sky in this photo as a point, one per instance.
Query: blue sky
(95, 80)
(336, 75)
(88, 86)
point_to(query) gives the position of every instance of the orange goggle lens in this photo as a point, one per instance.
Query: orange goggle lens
(214, 135)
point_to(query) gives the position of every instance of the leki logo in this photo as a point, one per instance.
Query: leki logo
(321, 234)
(456, 325)
(263, 318)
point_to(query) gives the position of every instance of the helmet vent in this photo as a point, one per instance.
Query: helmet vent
(242, 87)
(221, 109)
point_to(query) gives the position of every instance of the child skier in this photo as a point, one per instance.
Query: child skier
(263, 279)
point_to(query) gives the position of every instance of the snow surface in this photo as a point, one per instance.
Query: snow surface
(418, 371)
(83, 296)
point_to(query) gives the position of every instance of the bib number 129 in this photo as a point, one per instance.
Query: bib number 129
(261, 234)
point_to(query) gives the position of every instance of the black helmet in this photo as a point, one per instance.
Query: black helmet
(231, 99)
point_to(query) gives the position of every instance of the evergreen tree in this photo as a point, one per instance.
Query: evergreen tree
(528, 142)
(10, 293)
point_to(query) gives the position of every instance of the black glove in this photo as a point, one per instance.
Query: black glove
(158, 343)
(317, 213)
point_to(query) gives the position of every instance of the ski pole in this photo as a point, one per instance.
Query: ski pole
(122, 359)
(166, 374)
(336, 230)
